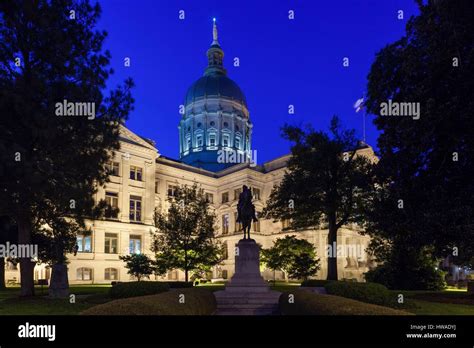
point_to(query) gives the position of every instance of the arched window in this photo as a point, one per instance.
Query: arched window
(111, 274)
(84, 273)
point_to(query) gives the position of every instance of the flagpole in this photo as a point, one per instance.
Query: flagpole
(363, 127)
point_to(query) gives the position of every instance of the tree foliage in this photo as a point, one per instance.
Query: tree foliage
(138, 265)
(297, 257)
(185, 233)
(426, 164)
(50, 166)
(326, 182)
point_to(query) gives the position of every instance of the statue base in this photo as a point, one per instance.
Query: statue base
(247, 293)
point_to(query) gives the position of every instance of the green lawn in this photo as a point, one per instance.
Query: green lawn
(451, 301)
(448, 302)
(86, 296)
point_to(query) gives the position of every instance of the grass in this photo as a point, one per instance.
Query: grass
(307, 303)
(184, 301)
(86, 296)
(449, 302)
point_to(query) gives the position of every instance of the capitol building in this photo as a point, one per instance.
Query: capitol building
(215, 121)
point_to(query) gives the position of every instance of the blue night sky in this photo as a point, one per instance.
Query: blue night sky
(282, 61)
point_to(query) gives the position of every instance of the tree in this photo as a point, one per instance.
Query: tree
(50, 55)
(425, 198)
(297, 257)
(138, 265)
(8, 233)
(326, 181)
(185, 233)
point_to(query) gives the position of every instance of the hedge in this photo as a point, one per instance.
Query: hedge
(366, 292)
(134, 289)
(179, 285)
(308, 303)
(196, 302)
(315, 282)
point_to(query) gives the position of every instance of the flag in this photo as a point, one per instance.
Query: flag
(359, 104)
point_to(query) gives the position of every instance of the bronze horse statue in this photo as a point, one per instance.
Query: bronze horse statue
(246, 211)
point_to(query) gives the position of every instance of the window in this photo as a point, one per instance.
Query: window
(237, 193)
(212, 123)
(199, 140)
(136, 173)
(135, 208)
(135, 244)
(226, 124)
(225, 250)
(256, 225)
(225, 223)
(112, 168)
(84, 244)
(111, 243)
(285, 223)
(224, 273)
(199, 125)
(172, 190)
(111, 198)
(212, 140)
(111, 274)
(188, 143)
(225, 197)
(156, 186)
(225, 140)
(256, 193)
(238, 225)
(84, 273)
(209, 198)
(173, 275)
(237, 142)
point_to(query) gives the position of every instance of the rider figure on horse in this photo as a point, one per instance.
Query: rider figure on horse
(246, 210)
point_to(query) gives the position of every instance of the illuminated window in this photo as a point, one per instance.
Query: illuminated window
(199, 141)
(135, 208)
(256, 225)
(135, 244)
(225, 224)
(84, 244)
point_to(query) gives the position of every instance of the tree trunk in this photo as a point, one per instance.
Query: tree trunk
(59, 286)
(26, 265)
(186, 275)
(332, 240)
(2, 273)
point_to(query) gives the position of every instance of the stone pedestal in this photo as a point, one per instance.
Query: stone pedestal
(247, 293)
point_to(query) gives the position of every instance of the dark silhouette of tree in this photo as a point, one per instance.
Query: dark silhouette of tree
(425, 198)
(326, 182)
(50, 53)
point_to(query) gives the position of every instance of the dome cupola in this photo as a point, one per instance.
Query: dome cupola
(216, 118)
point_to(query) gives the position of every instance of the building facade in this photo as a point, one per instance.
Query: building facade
(215, 120)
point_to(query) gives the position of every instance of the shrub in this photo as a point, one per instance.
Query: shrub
(179, 285)
(307, 303)
(198, 302)
(365, 292)
(133, 289)
(316, 282)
